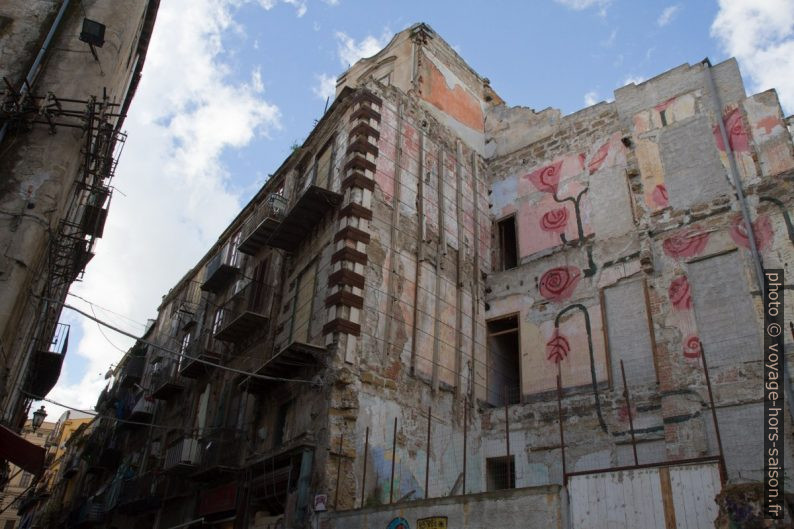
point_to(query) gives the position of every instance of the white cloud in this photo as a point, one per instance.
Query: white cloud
(580, 5)
(176, 198)
(256, 81)
(760, 34)
(300, 6)
(610, 41)
(325, 87)
(591, 98)
(667, 15)
(350, 50)
(636, 79)
(331, 2)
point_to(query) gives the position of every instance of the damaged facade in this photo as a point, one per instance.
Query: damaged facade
(66, 87)
(392, 329)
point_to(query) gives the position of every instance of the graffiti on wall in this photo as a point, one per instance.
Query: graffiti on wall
(558, 347)
(398, 523)
(680, 295)
(547, 180)
(434, 522)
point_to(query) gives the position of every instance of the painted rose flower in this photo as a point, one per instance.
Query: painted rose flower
(557, 348)
(623, 413)
(659, 196)
(686, 243)
(762, 229)
(554, 220)
(692, 346)
(598, 158)
(734, 128)
(557, 284)
(546, 178)
(679, 293)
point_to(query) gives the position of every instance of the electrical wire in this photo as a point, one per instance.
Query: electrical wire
(173, 352)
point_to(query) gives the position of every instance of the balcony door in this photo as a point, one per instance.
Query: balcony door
(302, 309)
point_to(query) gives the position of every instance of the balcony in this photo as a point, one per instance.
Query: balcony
(183, 456)
(221, 268)
(220, 454)
(143, 409)
(261, 225)
(245, 313)
(71, 466)
(200, 349)
(282, 364)
(47, 362)
(132, 371)
(141, 493)
(304, 216)
(165, 382)
(88, 513)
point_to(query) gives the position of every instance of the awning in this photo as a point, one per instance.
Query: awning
(22, 453)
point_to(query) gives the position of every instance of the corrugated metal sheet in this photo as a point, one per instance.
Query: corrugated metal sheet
(649, 498)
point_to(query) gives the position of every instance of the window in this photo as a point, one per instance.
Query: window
(500, 473)
(629, 333)
(323, 164)
(727, 323)
(25, 479)
(508, 251)
(185, 343)
(504, 366)
(279, 432)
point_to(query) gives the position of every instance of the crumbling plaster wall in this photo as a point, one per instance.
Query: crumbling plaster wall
(421, 328)
(39, 168)
(657, 208)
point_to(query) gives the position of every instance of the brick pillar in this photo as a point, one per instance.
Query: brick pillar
(349, 260)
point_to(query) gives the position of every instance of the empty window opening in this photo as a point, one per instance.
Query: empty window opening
(508, 251)
(500, 473)
(504, 365)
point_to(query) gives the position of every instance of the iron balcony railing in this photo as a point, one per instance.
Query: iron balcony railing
(199, 350)
(141, 493)
(245, 313)
(47, 362)
(165, 381)
(261, 224)
(220, 452)
(222, 267)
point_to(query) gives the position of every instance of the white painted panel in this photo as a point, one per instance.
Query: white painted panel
(694, 489)
(631, 499)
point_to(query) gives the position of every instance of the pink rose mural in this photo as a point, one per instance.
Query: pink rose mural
(546, 178)
(737, 134)
(692, 346)
(598, 158)
(558, 284)
(555, 220)
(659, 196)
(686, 243)
(557, 348)
(762, 229)
(680, 294)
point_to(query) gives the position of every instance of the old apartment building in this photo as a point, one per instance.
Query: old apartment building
(68, 73)
(426, 316)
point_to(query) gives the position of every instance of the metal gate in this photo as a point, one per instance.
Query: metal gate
(660, 497)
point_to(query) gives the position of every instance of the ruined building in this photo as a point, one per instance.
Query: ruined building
(426, 316)
(68, 73)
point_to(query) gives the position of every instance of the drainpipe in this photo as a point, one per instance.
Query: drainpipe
(34, 70)
(737, 184)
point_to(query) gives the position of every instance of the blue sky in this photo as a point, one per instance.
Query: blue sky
(230, 85)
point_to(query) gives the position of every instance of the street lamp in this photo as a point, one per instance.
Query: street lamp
(38, 418)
